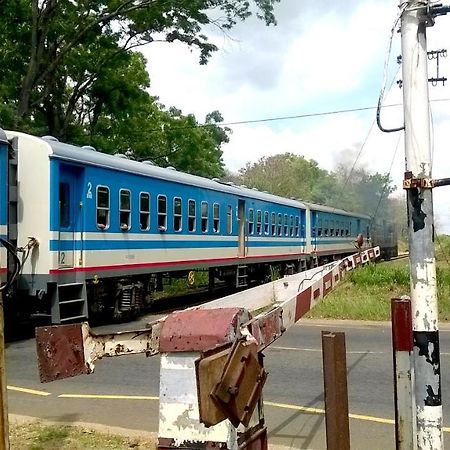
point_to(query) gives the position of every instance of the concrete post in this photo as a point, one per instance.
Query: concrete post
(185, 337)
(421, 226)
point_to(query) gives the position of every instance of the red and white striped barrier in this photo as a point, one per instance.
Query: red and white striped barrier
(211, 374)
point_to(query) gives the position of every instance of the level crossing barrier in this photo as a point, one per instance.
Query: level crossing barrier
(211, 369)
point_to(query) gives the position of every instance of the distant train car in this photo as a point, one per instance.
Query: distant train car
(384, 234)
(96, 234)
(333, 231)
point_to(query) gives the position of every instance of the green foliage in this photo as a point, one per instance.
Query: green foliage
(290, 175)
(68, 70)
(38, 436)
(366, 292)
(380, 275)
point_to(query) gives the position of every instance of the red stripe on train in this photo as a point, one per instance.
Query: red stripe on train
(173, 263)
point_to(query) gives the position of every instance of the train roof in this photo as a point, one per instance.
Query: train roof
(88, 155)
(332, 210)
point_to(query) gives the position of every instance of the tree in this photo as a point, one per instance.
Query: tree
(287, 175)
(61, 48)
(68, 70)
(345, 188)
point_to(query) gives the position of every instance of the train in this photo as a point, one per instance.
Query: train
(88, 234)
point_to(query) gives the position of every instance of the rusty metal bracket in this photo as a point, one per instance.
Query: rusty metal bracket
(69, 350)
(416, 183)
(234, 391)
(423, 183)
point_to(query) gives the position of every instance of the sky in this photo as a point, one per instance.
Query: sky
(322, 56)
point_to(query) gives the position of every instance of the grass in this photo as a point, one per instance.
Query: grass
(40, 436)
(366, 293)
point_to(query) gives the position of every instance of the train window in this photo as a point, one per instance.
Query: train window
(229, 219)
(274, 224)
(251, 221)
(280, 224)
(291, 225)
(319, 228)
(313, 232)
(205, 217)
(64, 205)
(102, 207)
(177, 218)
(331, 227)
(125, 209)
(191, 215)
(286, 225)
(368, 232)
(162, 213)
(216, 217)
(297, 226)
(258, 222)
(144, 211)
(266, 223)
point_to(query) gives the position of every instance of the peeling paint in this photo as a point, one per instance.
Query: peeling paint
(417, 215)
(427, 365)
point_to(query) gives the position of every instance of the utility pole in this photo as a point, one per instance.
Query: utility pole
(418, 184)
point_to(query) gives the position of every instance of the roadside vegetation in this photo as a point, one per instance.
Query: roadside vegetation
(39, 436)
(366, 293)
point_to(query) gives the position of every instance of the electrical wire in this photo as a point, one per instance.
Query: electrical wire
(386, 65)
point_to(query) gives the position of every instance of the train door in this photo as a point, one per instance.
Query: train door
(3, 203)
(69, 216)
(241, 228)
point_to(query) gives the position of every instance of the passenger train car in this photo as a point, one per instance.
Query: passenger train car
(95, 233)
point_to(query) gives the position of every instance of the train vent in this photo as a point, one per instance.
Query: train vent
(230, 183)
(170, 168)
(50, 138)
(120, 155)
(148, 162)
(217, 180)
(243, 186)
(89, 147)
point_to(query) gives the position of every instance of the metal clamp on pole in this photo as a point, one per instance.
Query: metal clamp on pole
(423, 183)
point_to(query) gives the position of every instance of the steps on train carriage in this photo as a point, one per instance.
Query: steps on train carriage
(303, 265)
(69, 302)
(241, 276)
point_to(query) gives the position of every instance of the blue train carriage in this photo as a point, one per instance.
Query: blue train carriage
(334, 232)
(104, 228)
(4, 151)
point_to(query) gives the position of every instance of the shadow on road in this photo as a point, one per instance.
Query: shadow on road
(316, 418)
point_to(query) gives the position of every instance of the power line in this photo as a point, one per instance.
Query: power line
(296, 116)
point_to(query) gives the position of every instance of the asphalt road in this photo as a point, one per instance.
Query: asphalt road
(293, 394)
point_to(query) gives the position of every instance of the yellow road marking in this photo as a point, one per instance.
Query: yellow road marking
(28, 391)
(351, 415)
(307, 409)
(109, 397)
(356, 352)
(317, 350)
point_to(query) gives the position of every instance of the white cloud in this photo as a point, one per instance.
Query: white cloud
(320, 57)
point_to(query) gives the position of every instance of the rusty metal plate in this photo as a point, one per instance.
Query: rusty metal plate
(240, 387)
(198, 330)
(209, 371)
(60, 352)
